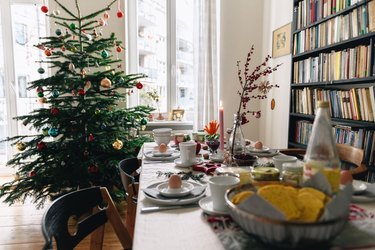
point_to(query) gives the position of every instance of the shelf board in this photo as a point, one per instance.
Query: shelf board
(333, 46)
(296, 145)
(354, 81)
(339, 121)
(341, 12)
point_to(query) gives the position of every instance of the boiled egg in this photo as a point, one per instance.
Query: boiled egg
(162, 148)
(174, 181)
(345, 177)
(258, 145)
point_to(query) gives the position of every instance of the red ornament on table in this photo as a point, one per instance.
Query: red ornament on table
(44, 9)
(139, 85)
(31, 173)
(55, 111)
(41, 145)
(81, 92)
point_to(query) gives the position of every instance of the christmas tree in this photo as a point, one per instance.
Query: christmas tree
(81, 131)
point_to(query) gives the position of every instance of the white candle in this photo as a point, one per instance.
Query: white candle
(221, 121)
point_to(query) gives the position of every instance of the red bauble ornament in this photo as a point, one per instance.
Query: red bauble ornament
(91, 137)
(41, 145)
(120, 14)
(44, 9)
(81, 92)
(92, 169)
(55, 111)
(63, 48)
(139, 85)
(39, 89)
(106, 15)
(48, 52)
(31, 173)
(119, 49)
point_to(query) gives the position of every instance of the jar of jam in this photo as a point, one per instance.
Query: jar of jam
(265, 174)
(292, 173)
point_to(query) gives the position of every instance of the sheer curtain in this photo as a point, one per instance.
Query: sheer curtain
(206, 63)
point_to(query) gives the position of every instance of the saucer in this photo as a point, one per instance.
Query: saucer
(184, 190)
(189, 164)
(358, 187)
(207, 206)
(156, 153)
(255, 150)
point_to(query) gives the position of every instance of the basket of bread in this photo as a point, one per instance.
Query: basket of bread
(289, 216)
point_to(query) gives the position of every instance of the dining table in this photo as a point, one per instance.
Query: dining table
(183, 228)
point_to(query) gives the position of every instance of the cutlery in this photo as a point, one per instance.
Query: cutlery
(155, 209)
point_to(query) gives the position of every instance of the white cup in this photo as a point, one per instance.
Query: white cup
(187, 152)
(218, 186)
(278, 160)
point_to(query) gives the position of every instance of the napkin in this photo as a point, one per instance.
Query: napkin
(154, 192)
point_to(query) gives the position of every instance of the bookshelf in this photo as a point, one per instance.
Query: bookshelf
(333, 59)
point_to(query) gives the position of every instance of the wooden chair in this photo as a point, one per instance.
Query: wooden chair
(96, 205)
(347, 154)
(130, 178)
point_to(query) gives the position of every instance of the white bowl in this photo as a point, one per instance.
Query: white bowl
(278, 160)
(162, 139)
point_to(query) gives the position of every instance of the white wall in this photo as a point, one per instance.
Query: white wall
(274, 123)
(241, 27)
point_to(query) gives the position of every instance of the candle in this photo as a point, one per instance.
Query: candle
(221, 121)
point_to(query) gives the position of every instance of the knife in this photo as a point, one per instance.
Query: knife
(155, 209)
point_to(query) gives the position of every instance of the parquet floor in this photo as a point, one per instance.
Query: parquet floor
(20, 228)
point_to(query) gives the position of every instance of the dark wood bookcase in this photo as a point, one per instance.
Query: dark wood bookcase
(333, 60)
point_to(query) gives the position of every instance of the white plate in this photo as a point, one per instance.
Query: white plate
(185, 165)
(359, 187)
(255, 150)
(177, 201)
(269, 153)
(217, 158)
(185, 189)
(149, 156)
(207, 206)
(157, 153)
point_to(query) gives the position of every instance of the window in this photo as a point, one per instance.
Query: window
(164, 41)
(20, 28)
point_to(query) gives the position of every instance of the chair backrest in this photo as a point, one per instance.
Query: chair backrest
(97, 207)
(129, 176)
(347, 153)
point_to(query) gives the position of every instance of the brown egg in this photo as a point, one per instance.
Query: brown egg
(345, 177)
(206, 156)
(174, 181)
(162, 148)
(258, 145)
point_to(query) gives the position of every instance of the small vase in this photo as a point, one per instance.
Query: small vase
(160, 117)
(236, 142)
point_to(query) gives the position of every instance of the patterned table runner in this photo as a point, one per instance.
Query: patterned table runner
(358, 233)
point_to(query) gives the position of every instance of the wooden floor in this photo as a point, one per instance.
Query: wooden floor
(20, 228)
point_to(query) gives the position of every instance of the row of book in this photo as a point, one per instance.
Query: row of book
(310, 11)
(336, 65)
(354, 104)
(335, 30)
(357, 137)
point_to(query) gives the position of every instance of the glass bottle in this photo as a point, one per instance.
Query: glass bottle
(236, 135)
(321, 153)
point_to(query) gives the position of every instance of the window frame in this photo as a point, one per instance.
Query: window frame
(131, 24)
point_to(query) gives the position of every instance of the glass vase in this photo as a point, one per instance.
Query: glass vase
(236, 142)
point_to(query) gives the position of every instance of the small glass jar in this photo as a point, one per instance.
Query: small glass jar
(292, 173)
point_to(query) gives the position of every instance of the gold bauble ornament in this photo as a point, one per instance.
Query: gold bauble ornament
(21, 146)
(42, 100)
(87, 85)
(118, 144)
(105, 83)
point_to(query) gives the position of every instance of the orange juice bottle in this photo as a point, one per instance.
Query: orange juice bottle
(321, 154)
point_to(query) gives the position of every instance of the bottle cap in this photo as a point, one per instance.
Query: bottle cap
(322, 104)
(292, 167)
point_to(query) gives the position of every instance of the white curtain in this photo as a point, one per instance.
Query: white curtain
(206, 63)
